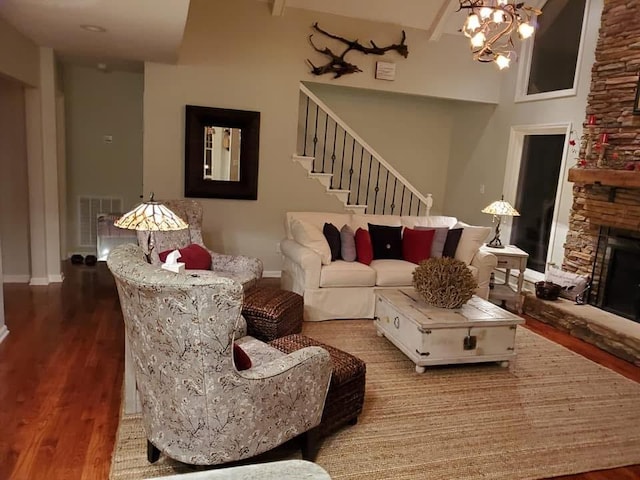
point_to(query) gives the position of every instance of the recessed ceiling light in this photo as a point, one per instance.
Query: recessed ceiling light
(93, 28)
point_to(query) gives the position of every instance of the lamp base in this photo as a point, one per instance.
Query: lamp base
(495, 243)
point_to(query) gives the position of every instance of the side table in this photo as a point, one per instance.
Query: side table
(509, 258)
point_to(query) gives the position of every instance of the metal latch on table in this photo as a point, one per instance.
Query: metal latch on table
(470, 341)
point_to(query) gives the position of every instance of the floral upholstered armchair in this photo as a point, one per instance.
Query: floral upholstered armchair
(196, 406)
(245, 270)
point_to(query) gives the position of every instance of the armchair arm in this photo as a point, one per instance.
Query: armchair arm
(292, 388)
(301, 266)
(236, 263)
(485, 262)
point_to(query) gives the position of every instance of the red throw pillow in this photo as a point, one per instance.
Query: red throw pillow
(364, 249)
(240, 358)
(416, 244)
(194, 257)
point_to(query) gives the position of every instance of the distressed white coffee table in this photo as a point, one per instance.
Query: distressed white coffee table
(478, 332)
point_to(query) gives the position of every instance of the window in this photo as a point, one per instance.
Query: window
(550, 61)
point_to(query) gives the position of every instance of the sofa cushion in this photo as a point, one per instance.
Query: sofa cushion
(470, 242)
(317, 219)
(363, 220)
(439, 239)
(416, 244)
(364, 249)
(311, 237)
(386, 241)
(451, 244)
(194, 257)
(393, 273)
(332, 234)
(412, 221)
(347, 274)
(347, 244)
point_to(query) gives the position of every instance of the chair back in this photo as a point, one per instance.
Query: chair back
(180, 331)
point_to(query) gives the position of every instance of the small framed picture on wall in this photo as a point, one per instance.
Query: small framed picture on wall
(636, 104)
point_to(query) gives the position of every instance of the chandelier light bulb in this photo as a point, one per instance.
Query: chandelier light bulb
(498, 16)
(485, 12)
(502, 3)
(525, 30)
(478, 40)
(473, 23)
(502, 61)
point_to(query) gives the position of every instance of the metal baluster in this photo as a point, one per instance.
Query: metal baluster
(393, 197)
(359, 176)
(368, 181)
(410, 202)
(386, 186)
(315, 141)
(333, 155)
(402, 200)
(324, 145)
(353, 148)
(344, 144)
(377, 189)
(306, 122)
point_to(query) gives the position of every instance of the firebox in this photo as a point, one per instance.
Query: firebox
(615, 283)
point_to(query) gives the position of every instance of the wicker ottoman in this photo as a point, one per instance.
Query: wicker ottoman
(272, 313)
(346, 390)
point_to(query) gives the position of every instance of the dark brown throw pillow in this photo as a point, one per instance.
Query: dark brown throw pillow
(332, 234)
(451, 243)
(386, 242)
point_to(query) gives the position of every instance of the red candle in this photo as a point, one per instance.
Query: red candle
(591, 120)
(604, 138)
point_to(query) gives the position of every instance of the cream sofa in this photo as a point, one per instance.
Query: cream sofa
(342, 289)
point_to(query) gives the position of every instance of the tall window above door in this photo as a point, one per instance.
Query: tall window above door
(548, 66)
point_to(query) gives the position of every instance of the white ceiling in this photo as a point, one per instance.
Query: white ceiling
(135, 29)
(139, 30)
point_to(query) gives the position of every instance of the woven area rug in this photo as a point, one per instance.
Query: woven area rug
(550, 413)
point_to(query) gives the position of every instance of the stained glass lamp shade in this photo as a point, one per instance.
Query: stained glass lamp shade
(498, 209)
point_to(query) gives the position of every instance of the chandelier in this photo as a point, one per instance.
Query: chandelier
(490, 25)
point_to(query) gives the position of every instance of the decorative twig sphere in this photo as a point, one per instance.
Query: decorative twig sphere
(444, 282)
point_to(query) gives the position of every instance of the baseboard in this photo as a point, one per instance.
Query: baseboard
(56, 278)
(38, 281)
(271, 274)
(4, 332)
(15, 278)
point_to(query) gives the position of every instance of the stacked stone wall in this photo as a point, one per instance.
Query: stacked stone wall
(611, 101)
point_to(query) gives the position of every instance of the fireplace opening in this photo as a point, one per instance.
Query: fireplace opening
(616, 273)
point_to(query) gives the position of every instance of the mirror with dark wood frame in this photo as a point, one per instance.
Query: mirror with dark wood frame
(221, 153)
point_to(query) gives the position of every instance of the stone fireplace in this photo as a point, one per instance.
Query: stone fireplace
(603, 238)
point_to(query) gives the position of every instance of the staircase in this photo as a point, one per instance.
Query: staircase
(338, 158)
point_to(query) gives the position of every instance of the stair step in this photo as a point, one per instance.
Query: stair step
(361, 209)
(323, 178)
(343, 195)
(306, 162)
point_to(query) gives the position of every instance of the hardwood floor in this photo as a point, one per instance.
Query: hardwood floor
(61, 379)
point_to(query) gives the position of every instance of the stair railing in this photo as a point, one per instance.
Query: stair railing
(354, 164)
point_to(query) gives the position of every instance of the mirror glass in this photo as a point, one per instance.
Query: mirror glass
(221, 153)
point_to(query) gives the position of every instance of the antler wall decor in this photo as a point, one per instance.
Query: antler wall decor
(338, 65)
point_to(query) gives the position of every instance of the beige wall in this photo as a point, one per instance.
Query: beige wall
(417, 145)
(14, 199)
(19, 56)
(260, 69)
(479, 156)
(98, 104)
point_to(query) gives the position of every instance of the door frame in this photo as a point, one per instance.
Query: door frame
(512, 173)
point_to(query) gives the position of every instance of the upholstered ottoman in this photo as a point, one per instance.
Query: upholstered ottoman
(346, 390)
(272, 313)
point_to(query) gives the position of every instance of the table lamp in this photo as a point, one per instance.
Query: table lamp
(151, 216)
(498, 209)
